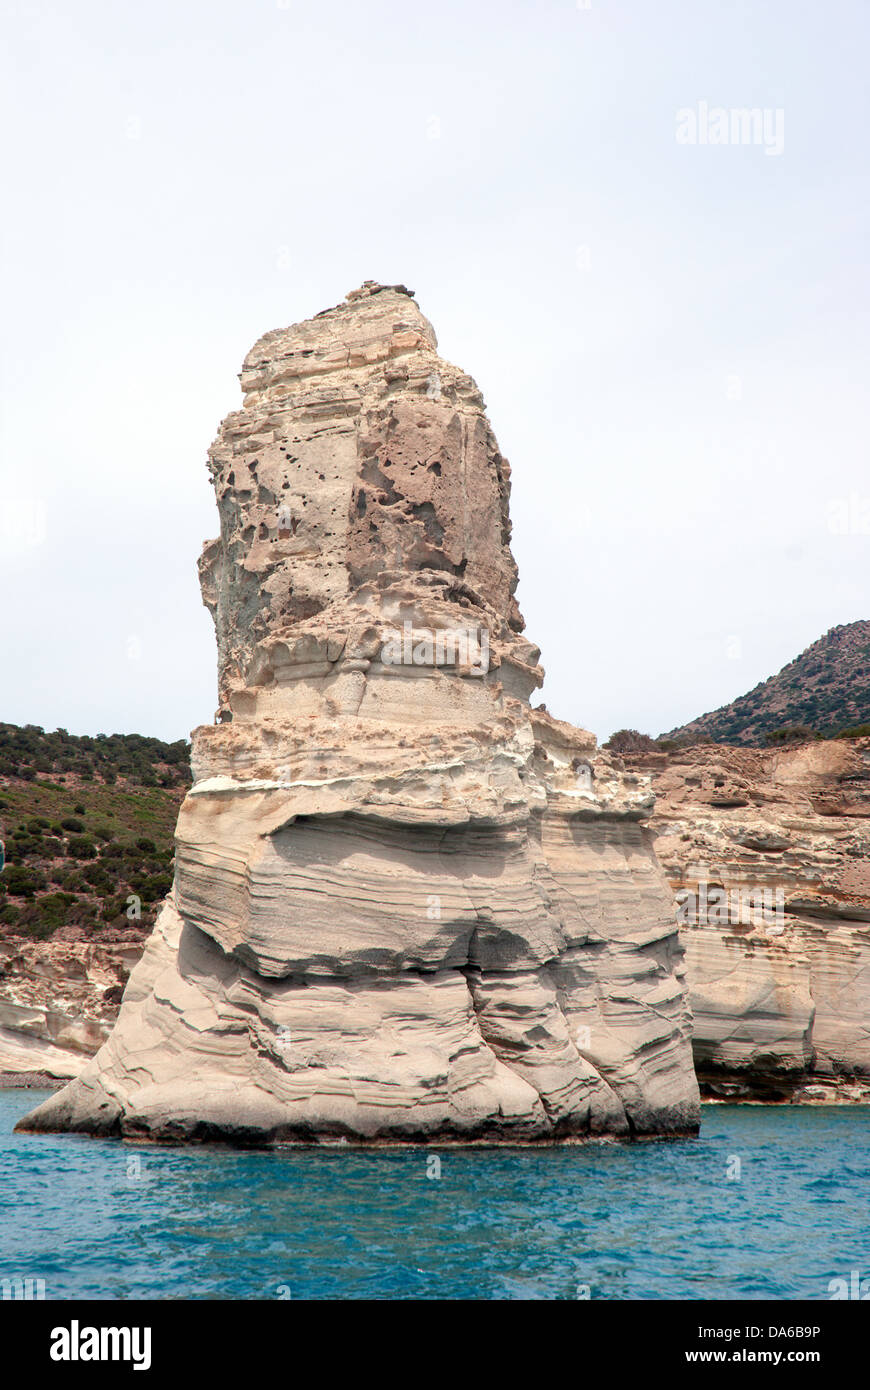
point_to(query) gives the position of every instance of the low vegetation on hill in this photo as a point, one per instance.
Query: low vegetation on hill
(30, 752)
(824, 692)
(633, 741)
(87, 826)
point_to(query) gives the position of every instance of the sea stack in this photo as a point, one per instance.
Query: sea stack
(408, 906)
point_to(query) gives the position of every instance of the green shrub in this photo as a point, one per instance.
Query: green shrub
(791, 733)
(155, 887)
(629, 741)
(25, 844)
(96, 874)
(81, 847)
(75, 826)
(54, 908)
(23, 882)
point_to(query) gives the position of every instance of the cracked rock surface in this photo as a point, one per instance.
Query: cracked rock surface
(769, 851)
(407, 906)
(58, 1001)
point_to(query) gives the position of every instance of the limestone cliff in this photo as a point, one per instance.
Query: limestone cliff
(58, 1002)
(768, 852)
(407, 906)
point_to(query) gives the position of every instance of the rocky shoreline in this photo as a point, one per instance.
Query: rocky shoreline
(731, 810)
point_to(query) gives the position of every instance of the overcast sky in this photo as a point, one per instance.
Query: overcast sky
(671, 337)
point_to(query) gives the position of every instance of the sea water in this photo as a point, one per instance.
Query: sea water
(768, 1203)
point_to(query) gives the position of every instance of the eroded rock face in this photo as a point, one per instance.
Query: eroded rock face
(407, 906)
(58, 1002)
(769, 851)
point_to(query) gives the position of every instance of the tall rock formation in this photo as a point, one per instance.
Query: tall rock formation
(407, 906)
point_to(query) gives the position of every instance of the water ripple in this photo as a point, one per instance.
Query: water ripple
(100, 1219)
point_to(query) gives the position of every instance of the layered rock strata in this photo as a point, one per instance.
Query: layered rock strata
(768, 852)
(407, 906)
(58, 1002)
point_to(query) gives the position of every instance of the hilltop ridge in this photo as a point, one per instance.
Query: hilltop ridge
(823, 691)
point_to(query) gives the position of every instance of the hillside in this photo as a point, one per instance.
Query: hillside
(28, 752)
(87, 826)
(823, 691)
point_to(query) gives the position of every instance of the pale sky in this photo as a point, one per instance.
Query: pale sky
(672, 338)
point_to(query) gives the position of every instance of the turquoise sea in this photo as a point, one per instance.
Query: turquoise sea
(769, 1203)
